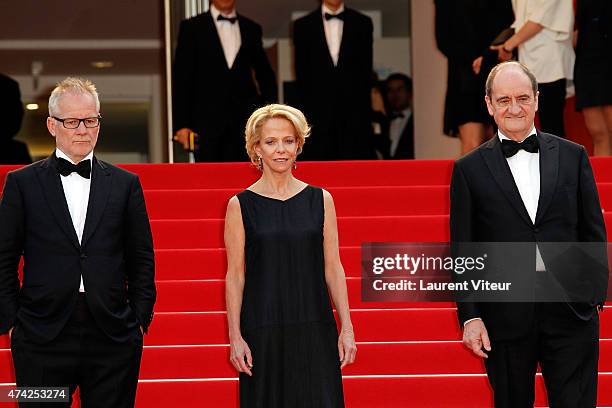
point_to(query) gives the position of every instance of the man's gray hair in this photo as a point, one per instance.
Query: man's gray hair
(75, 86)
(500, 66)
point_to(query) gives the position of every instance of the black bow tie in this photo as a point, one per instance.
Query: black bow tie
(339, 16)
(396, 115)
(221, 17)
(65, 168)
(510, 147)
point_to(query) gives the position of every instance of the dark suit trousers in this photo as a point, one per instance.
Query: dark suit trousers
(567, 349)
(340, 138)
(226, 146)
(106, 372)
(551, 104)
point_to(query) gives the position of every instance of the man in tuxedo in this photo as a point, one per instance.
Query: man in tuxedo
(528, 186)
(221, 74)
(88, 289)
(398, 89)
(333, 66)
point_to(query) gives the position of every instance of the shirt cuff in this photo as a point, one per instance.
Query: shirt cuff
(471, 320)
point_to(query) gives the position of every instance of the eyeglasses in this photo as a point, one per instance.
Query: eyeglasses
(73, 123)
(506, 102)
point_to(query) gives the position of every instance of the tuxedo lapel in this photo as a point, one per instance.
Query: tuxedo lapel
(549, 170)
(345, 41)
(214, 41)
(498, 166)
(56, 199)
(405, 146)
(244, 39)
(98, 197)
(319, 37)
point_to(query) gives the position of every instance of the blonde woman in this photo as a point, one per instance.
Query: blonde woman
(281, 239)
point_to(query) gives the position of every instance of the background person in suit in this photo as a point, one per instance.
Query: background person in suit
(88, 287)
(398, 89)
(333, 67)
(527, 186)
(11, 151)
(221, 74)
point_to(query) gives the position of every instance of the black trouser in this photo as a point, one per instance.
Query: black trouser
(567, 350)
(551, 104)
(106, 372)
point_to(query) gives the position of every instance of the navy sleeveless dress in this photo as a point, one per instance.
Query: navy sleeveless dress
(286, 317)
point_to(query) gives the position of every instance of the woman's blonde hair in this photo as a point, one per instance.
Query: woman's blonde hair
(252, 131)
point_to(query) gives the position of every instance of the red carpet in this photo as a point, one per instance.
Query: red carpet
(410, 354)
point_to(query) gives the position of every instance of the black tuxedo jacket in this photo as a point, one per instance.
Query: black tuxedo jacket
(336, 99)
(208, 96)
(115, 256)
(486, 206)
(405, 146)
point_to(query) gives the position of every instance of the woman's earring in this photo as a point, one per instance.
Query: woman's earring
(295, 165)
(259, 163)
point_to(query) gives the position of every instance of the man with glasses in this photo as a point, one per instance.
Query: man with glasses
(529, 186)
(88, 289)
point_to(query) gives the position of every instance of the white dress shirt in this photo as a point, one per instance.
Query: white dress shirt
(229, 34)
(76, 191)
(525, 168)
(397, 127)
(549, 54)
(333, 32)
